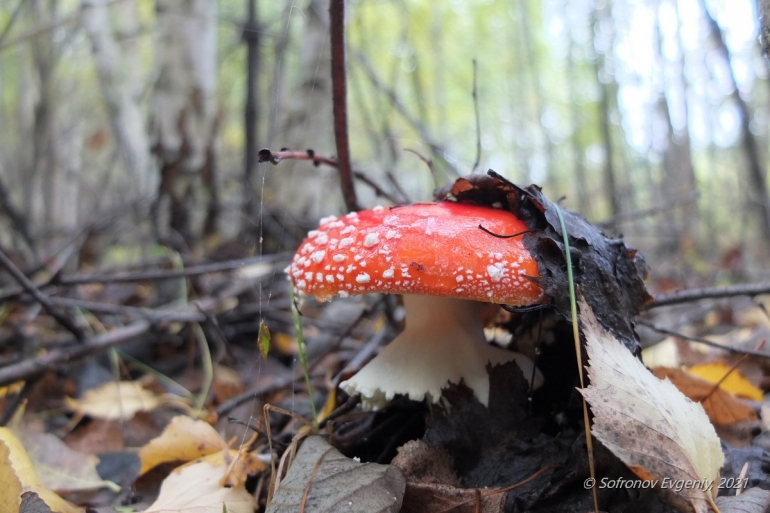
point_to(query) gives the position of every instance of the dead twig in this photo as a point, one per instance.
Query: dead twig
(436, 148)
(253, 393)
(169, 274)
(155, 275)
(704, 341)
(33, 367)
(274, 157)
(689, 295)
(478, 117)
(339, 102)
(636, 215)
(30, 287)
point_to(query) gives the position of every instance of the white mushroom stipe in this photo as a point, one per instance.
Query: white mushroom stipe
(443, 343)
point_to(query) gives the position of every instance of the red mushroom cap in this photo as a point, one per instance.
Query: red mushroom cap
(433, 249)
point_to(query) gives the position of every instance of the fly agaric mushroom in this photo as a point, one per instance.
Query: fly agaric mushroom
(436, 255)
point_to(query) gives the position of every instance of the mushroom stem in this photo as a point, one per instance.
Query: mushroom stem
(443, 343)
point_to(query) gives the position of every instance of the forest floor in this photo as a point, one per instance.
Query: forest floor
(157, 386)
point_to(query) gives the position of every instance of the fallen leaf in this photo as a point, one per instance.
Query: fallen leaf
(431, 483)
(239, 463)
(735, 382)
(332, 482)
(60, 468)
(96, 436)
(648, 423)
(114, 401)
(19, 477)
(285, 344)
(721, 407)
(195, 488)
(227, 383)
(753, 500)
(184, 439)
(421, 497)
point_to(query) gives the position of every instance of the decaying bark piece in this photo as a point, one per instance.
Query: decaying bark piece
(609, 273)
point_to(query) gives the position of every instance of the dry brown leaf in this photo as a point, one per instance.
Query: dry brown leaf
(227, 383)
(18, 476)
(325, 481)
(721, 407)
(729, 379)
(115, 401)
(650, 425)
(184, 439)
(60, 468)
(195, 488)
(753, 500)
(239, 463)
(422, 497)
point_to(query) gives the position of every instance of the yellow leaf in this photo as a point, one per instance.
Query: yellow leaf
(18, 475)
(721, 407)
(12, 389)
(195, 488)
(285, 344)
(239, 463)
(60, 468)
(114, 401)
(184, 439)
(736, 383)
(650, 425)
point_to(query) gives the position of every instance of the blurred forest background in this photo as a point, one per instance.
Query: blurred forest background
(132, 126)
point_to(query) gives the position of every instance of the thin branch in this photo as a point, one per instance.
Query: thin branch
(197, 270)
(30, 287)
(376, 188)
(704, 341)
(689, 295)
(478, 118)
(435, 147)
(32, 367)
(764, 27)
(274, 157)
(151, 275)
(257, 391)
(428, 162)
(165, 315)
(636, 215)
(11, 21)
(339, 101)
(18, 221)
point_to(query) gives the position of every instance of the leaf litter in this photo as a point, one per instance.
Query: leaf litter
(521, 454)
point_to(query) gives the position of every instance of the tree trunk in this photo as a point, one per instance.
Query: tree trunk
(307, 124)
(251, 196)
(533, 72)
(185, 120)
(577, 121)
(756, 174)
(118, 88)
(609, 176)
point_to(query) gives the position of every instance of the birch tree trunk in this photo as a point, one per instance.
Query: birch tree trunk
(185, 120)
(678, 173)
(307, 124)
(609, 175)
(117, 81)
(53, 188)
(756, 173)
